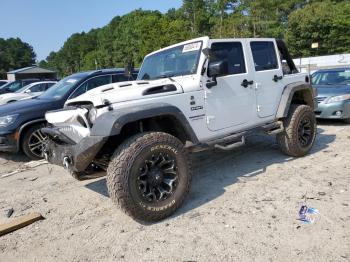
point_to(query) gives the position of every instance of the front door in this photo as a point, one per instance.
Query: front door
(229, 103)
(268, 76)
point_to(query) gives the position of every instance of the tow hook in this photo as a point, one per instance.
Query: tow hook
(67, 162)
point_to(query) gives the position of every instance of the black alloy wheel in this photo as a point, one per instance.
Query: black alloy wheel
(305, 132)
(158, 177)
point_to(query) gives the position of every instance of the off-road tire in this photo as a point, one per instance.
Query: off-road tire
(123, 169)
(25, 142)
(288, 140)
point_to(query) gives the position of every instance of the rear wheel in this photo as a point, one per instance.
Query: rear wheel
(33, 142)
(299, 131)
(149, 176)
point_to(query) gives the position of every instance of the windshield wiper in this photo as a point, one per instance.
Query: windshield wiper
(164, 76)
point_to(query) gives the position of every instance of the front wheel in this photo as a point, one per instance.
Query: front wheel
(33, 142)
(299, 131)
(149, 176)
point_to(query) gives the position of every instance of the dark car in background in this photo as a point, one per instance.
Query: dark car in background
(333, 87)
(20, 122)
(3, 82)
(14, 86)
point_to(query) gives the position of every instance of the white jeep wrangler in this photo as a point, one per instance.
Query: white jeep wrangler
(199, 94)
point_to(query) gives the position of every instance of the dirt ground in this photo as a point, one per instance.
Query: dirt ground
(243, 206)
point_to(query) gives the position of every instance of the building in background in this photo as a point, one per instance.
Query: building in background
(31, 72)
(312, 64)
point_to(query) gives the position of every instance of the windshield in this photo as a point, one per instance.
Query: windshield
(180, 60)
(21, 90)
(341, 77)
(59, 90)
(12, 87)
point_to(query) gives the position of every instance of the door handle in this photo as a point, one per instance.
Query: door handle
(245, 83)
(276, 78)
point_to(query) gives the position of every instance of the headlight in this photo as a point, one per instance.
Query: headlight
(7, 120)
(92, 114)
(334, 99)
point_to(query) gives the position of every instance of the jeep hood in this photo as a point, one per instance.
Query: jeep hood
(126, 91)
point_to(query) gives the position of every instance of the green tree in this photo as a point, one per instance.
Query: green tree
(14, 54)
(326, 22)
(140, 32)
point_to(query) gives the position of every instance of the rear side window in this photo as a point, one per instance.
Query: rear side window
(264, 55)
(91, 84)
(232, 52)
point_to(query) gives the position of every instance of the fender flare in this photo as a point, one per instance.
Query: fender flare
(112, 122)
(287, 96)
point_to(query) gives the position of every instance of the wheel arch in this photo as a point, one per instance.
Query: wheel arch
(296, 93)
(153, 117)
(25, 127)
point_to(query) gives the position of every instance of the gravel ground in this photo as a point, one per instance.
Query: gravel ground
(243, 206)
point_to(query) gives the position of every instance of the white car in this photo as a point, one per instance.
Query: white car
(28, 91)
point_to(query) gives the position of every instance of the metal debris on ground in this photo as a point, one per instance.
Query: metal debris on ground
(25, 167)
(9, 212)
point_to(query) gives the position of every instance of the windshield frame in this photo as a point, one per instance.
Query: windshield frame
(139, 77)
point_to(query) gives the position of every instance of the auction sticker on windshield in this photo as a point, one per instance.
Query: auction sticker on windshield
(191, 47)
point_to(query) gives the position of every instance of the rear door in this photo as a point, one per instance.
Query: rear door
(268, 76)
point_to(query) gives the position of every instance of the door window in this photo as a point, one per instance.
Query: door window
(38, 88)
(232, 52)
(264, 55)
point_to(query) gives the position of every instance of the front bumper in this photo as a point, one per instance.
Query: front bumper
(8, 142)
(329, 111)
(76, 157)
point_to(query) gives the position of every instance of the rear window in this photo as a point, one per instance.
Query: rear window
(264, 55)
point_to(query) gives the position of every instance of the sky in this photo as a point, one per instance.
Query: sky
(46, 24)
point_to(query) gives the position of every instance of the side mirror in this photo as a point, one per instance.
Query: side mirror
(218, 68)
(27, 91)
